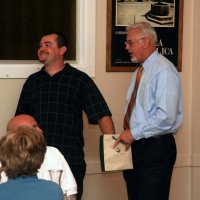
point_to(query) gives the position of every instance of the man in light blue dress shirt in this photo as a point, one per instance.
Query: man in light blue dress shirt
(156, 116)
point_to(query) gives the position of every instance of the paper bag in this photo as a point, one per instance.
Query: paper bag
(114, 158)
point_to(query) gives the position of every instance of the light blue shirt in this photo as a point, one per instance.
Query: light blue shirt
(158, 108)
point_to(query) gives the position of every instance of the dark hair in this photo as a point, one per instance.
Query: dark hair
(61, 39)
(22, 152)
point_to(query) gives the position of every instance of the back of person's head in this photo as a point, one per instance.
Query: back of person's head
(22, 152)
(22, 120)
(147, 29)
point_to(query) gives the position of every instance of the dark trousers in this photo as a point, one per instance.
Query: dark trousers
(79, 174)
(153, 160)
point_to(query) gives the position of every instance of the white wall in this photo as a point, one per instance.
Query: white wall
(111, 186)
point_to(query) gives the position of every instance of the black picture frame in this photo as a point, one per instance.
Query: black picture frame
(169, 28)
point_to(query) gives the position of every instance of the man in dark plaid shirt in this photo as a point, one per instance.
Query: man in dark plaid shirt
(56, 96)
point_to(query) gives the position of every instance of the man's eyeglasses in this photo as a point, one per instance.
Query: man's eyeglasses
(131, 43)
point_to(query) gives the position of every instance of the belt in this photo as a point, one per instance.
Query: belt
(161, 136)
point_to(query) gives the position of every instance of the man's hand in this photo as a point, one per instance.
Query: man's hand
(125, 138)
(70, 197)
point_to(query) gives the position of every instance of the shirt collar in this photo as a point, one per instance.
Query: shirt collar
(150, 59)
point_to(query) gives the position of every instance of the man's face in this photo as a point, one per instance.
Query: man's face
(49, 52)
(134, 45)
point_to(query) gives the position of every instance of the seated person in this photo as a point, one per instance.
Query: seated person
(22, 152)
(53, 158)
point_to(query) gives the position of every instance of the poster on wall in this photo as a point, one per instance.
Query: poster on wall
(164, 15)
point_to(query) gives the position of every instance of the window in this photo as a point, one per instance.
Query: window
(85, 46)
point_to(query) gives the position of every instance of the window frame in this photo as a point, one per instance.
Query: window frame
(85, 46)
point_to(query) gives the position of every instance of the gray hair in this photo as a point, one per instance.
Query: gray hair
(145, 28)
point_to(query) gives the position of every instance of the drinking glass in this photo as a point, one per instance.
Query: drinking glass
(55, 175)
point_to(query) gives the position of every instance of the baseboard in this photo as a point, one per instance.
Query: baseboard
(93, 167)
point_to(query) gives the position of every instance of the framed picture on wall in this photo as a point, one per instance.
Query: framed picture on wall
(166, 16)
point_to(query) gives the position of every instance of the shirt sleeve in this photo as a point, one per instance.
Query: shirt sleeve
(67, 179)
(55, 160)
(23, 103)
(3, 177)
(94, 103)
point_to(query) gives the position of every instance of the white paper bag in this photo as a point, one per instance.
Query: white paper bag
(114, 158)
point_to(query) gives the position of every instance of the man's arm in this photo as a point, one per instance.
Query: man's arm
(106, 125)
(67, 179)
(71, 197)
(23, 106)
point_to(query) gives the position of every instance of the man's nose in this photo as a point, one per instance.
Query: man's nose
(126, 47)
(42, 47)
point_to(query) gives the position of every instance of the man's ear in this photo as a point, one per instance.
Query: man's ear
(63, 50)
(146, 42)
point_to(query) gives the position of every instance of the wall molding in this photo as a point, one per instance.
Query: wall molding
(94, 167)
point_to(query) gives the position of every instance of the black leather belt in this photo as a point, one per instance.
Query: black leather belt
(161, 136)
